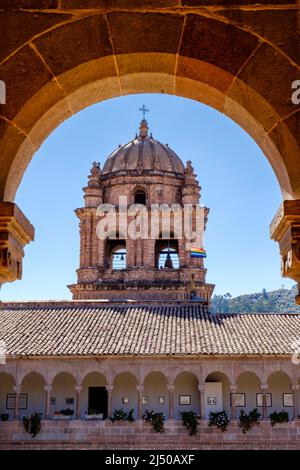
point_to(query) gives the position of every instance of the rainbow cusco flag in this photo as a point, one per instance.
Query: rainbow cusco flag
(198, 253)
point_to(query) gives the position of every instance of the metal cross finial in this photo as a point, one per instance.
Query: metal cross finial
(144, 110)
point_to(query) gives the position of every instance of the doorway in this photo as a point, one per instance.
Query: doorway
(98, 400)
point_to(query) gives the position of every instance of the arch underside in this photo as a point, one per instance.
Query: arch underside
(229, 58)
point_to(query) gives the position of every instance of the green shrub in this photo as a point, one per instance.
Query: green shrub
(247, 421)
(279, 417)
(219, 419)
(32, 424)
(156, 419)
(121, 415)
(190, 421)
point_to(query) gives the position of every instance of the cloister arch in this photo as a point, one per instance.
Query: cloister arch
(222, 379)
(279, 386)
(125, 393)
(63, 394)
(248, 383)
(7, 383)
(232, 59)
(186, 385)
(33, 389)
(155, 392)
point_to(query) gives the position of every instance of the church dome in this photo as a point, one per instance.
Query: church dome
(143, 155)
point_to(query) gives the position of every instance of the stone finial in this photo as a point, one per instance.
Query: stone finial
(96, 169)
(143, 129)
(189, 169)
(94, 175)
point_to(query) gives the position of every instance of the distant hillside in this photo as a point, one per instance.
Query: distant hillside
(277, 301)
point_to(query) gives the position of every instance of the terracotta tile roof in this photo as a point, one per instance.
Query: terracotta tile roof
(91, 328)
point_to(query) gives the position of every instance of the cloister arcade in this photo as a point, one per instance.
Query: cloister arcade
(54, 386)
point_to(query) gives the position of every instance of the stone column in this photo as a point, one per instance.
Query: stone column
(233, 407)
(201, 388)
(17, 390)
(48, 389)
(78, 389)
(171, 389)
(264, 388)
(295, 388)
(140, 390)
(109, 389)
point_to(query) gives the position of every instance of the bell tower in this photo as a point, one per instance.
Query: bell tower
(133, 238)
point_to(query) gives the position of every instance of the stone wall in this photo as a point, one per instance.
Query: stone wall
(140, 435)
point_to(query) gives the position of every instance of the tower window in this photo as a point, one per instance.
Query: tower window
(140, 197)
(119, 258)
(116, 254)
(166, 252)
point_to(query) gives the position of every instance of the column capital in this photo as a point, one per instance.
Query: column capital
(140, 388)
(232, 388)
(201, 387)
(78, 388)
(171, 387)
(284, 229)
(109, 388)
(48, 388)
(264, 387)
(295, 387)
(17, 388)
(15, 232)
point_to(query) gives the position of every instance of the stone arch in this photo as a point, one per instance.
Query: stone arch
(224, 370)
(33, 386)
(249, 369)
(279, 371)
(63, 392)
(129, 370)
(160, 52)
(63, 369)
(186, 385)
(222, 378)
(32, 370)
(156, 392)
(279, 384)
(248, 382)
(125, 387)
(7, 383)
(92, 370)
(220, 57)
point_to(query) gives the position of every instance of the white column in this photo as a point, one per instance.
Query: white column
(264, 388)
(201, 388)
(140, 390)
(295, 388)
(48, 389)
(233, 388)
(109, 389)
(171, 389)
(78, 389)
(17, 389)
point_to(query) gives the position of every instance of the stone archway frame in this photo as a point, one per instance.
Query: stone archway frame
(231, 58)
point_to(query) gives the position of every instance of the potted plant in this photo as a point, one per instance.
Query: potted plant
(32, 423)
(64, 414)
(4, 416)
(93, 414)
(121, 415)
(279, 417)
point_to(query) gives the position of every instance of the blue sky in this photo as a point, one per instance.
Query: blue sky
(238, 185)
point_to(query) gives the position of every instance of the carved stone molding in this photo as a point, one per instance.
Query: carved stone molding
(285, 229)
(15, 232)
